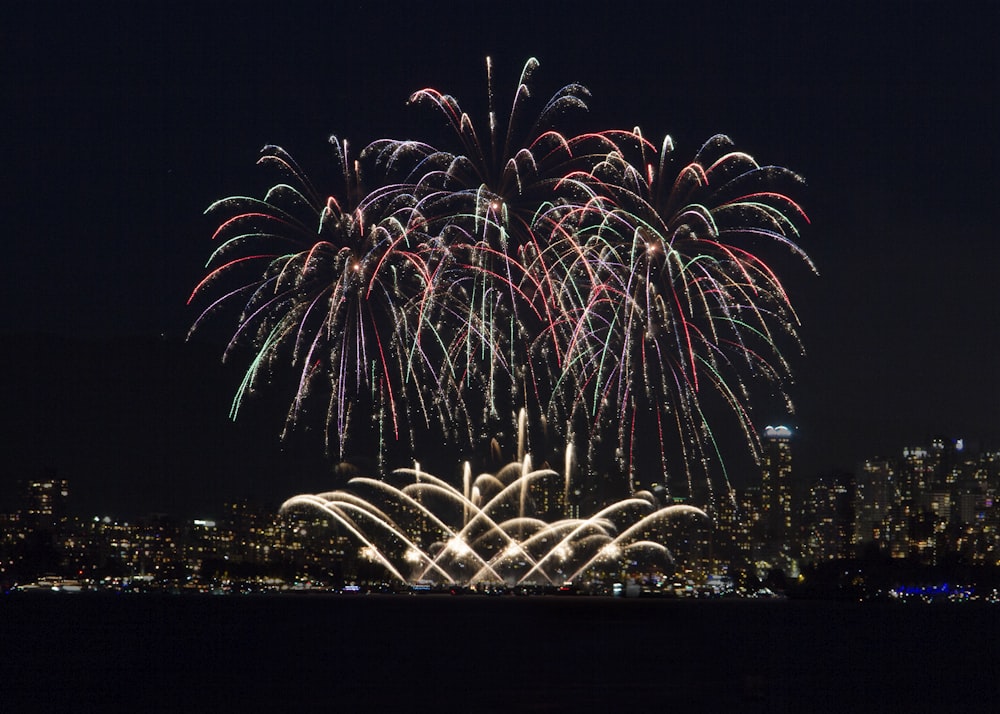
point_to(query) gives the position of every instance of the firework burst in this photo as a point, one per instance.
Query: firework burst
(493, 201)
(588, 278)
(682, 302)
(337, 288)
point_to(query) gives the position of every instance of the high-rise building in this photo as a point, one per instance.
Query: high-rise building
(45, 502)
(731, 534)
(917, 471)
(776, 486)
(877, 491)
(828, 518)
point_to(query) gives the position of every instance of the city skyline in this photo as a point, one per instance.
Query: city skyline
(925, 526)
(885, 114)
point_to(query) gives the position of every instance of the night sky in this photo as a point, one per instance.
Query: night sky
(124, 121)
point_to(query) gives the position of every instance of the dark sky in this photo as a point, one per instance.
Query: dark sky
(123, 121)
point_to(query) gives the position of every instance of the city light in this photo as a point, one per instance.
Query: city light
(931, 506)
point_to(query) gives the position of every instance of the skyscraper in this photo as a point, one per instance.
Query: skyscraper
(877, 490)
(45, 502)
(828, 515)
(775, 487)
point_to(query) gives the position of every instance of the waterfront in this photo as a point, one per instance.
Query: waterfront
(491, 654)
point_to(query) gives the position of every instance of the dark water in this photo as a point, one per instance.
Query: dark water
(478, 654)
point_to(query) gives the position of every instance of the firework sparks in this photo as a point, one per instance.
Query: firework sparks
(587, 278)
(420, 529)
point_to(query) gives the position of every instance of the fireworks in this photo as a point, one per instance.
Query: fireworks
(516, 527)
(586, 278)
